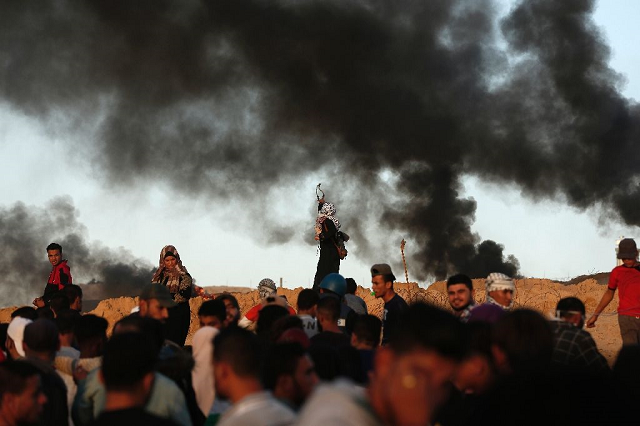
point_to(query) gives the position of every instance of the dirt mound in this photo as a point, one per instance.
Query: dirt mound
(538, 294)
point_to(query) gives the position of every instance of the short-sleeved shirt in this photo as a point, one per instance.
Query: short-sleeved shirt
(309, 324)
(627, 282)
(258, 409)
(391, 317)
(254, 313)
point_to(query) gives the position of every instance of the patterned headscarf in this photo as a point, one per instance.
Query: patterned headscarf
(172, 276)
(327, 211)
(497, 281)
(266, 288)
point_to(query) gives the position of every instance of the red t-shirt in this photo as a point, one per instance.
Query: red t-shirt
(627, 281)
(254, 312)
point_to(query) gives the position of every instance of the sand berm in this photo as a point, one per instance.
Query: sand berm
(538, 294)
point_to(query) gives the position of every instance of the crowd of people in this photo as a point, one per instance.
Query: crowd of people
(325, 361)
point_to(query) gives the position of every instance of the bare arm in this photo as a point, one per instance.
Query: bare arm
(607, 297)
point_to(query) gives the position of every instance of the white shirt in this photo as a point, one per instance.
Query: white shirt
(309, 324)
(258, 409)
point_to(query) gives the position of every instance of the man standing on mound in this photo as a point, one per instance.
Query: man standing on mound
(382, 285)
(626, 278)
(59, 277)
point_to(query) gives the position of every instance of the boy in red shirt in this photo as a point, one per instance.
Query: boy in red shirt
(59, 277)
(626, 278)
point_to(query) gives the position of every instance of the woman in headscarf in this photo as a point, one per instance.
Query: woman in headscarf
(327, 227)
(172, 274)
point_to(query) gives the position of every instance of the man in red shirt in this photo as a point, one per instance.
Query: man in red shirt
(59, 277)
(626, 278)
(268, 296)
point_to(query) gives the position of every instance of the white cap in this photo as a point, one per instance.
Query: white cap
(16, 332)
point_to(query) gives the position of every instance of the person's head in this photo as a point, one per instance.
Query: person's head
(236, 362)
(91, 334)
(382, 281)
(266, 288)
(27, 312)
(41, 340)
(212, 313)
(572, 310)
(288, 373)
(155, 301)
(268, 316)
(522, 341)
(419, 361)
(21, 396)
(15, 337)
(328, 313)
(335, 284)
(54, 252)
(169, 258)
(74, 294)
(351, 286)
(66, 321)
(500, 290)
(476, 372)
(460, 292)
(307, 301)
(58, 302)
(627, 252)
(280, 326)
(150, 327)
(232, 307)
(366, 332)
(45, 312)
(127, 367)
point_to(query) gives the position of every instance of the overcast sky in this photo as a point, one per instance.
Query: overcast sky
(550, 239)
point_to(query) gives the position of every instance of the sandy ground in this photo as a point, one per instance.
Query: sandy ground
(539, 294)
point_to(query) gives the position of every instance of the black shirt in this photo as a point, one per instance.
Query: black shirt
(135, 416)
(391, 317)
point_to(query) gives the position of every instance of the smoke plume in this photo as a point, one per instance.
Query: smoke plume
(227, 99)
(23, 229)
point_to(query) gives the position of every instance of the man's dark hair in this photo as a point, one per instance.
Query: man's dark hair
(66, 320)
(526, 338)
(460, 279)
(268, 316)
(14, 375)
(27, 312)
(367, 329)
(72, 291)
(45, 312)
(150, 327)
(213, 308)
(229, 297)
(427, 327)
(570, 304)
(59, 301)
(307, 299)
(54, 246)
(330, 307)
(42, 336)
(281, 360)
(351, 286)
(90, 327)
(240, 349)
(283, 324)
(128, 357)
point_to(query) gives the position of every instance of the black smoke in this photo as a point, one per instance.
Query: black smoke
(227, 99)
(25, 232)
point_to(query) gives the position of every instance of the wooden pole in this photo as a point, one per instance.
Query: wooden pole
(404, 261)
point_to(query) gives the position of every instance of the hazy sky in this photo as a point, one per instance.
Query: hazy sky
(550, 239)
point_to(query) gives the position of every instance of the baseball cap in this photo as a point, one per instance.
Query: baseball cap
(627, 249)
(158, 292)
(16, 332)
(382, 269)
